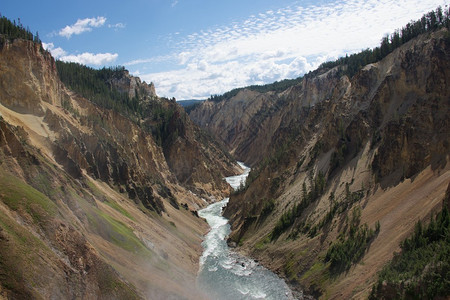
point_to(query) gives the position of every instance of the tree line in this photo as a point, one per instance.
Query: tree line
(15, 30)
(277, 86)
(93, 85)
(88, 82)
(429, 22)
(351, 244)
(422, 269)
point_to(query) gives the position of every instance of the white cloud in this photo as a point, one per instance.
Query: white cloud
(88, 58)
(117, 26)
(279, 44)
(82, 25)
(85, 58)
(200, 79)
(56, 52)
(156, 59)
(174, 3)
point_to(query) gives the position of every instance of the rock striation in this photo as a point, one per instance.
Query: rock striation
(91, 204)
(375, 143)
(133, 86)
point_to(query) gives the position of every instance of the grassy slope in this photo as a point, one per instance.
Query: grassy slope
(26, 218)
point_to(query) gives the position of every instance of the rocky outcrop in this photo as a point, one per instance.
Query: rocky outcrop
(25, 83)
(131, 85)
(397, 93)
(196, 160)
(39, 246)
(114, 150)
(249, 123)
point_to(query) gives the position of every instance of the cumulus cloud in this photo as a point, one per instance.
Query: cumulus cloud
(200, 79)
(279, 44)
(82, 25)
(88, 58)
(56, 52)
(85, 58)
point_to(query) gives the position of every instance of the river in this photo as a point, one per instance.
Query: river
(225, 274)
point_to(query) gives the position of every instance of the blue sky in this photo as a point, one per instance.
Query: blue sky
(191, 49)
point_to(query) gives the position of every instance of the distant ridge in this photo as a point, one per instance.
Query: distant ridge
(190, 105)
(186, 103)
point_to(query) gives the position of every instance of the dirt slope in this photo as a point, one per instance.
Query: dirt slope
(332, 147)
(89, 206)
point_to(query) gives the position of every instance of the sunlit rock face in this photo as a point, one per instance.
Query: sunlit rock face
(133, 86)
(91, 205)
(380, 136)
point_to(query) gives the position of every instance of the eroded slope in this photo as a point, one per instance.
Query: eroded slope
(90, 207)
(332, 157)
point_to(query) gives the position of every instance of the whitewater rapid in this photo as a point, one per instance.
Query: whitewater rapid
(225, 274)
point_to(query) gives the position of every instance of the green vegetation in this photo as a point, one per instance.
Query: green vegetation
(18, 247)
(319, 277)
(120, 209)
(261, 244)
(315, 152)
(338, 156)
(428, 23)
(289, 269)
(422, 269)
(268, 207)
(18, 195)
(351, 244)
(15, 30)
(67, 105)
(116, 232)
(340, 207)
(277, 86)
(289, 217)
(335, 208)
(190, 105)
(162, 118)
(164, 122)
(279, 156)
(42, 182)
(94, 85)
(113, 287)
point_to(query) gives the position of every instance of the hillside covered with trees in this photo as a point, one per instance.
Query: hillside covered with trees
(15, 30)
(421, 270)
(93, 84)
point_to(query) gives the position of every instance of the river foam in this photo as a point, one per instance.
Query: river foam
(225, 274)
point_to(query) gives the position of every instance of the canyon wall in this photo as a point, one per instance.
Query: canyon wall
(372, 148)
(92, 206)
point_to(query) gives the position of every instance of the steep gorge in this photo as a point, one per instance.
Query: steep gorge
(92, 205)
(333, 153)
(100, 201)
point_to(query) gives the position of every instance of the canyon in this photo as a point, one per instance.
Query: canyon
(100, 199)
(374, 145)
(91, 205)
